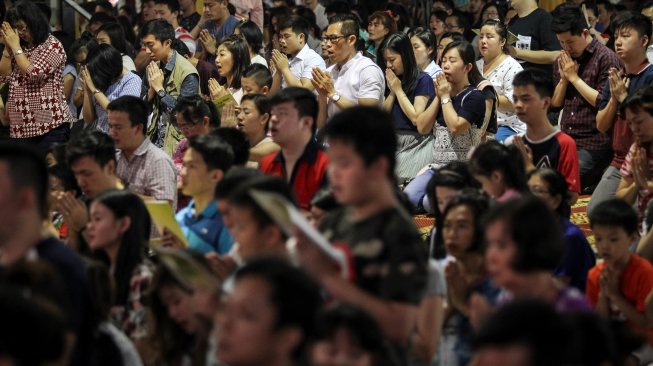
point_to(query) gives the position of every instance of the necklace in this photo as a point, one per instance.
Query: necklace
(488, 67)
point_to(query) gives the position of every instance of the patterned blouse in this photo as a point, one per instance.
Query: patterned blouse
(36, 102)
(130, 318)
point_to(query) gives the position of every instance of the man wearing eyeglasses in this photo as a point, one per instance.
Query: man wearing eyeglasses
(352, 79)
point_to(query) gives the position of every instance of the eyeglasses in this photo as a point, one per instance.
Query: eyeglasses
(20, 28)
(332, 39)
(451, 26)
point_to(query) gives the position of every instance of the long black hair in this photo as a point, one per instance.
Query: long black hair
(237, 46)
(400, 43)
(117, 36)
(492, 156)
(104, 63)
(123, 203)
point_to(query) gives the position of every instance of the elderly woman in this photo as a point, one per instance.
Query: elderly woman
(32, 63)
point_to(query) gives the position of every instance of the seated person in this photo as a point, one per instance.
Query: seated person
(256, 79)
(254, 121)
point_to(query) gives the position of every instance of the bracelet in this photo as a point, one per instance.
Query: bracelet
(96, 92)
(18, 52)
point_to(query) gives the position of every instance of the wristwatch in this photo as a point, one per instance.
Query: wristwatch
(18, 52)
(445, 101)
(335, 98)
(161, 93)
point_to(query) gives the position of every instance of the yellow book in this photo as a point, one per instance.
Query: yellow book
(164, 218)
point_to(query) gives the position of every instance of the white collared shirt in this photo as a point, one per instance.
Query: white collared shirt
(302, 65)
(358, 78)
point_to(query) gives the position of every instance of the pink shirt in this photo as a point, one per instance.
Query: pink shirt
(249, 9)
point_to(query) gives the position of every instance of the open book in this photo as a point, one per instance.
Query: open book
(287, 216)
(164, 218)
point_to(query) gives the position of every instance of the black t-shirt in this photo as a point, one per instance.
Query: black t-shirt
(534, 31)
(389, 255)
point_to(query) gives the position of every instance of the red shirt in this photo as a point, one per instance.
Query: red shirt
(36, 102)
(308, 175)
(635, 284)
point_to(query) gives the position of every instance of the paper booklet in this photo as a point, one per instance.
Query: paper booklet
(287, 216)
(164, 218)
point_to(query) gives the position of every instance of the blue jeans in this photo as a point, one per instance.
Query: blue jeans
(416, 191)
(503, 132)
(592, 165)
(606, 189)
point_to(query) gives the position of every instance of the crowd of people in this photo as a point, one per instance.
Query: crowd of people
(145, 161)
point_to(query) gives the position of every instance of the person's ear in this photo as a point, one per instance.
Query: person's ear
(645, 41)
(546, 102)
(557, 200)
(264, 118)
(167, 43)
(468, 68)
(111, 167)
(206, 122)
(124, 224)
(496, 176)
(379, 167)
(289, 338)
(216, 175)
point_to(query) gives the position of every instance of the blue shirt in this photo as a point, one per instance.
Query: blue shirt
(579, 257)
(227, 29)
(205, 232)
(423, 87)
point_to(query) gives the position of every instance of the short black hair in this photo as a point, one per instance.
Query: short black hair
(535, 325)
(350, 25)
(238, 142)
(94, 144)
(261, 74)
(27, 170)
(160, 29)
(542, 81)
(568, 17)
(135, 107)
(478, 203)
(297, 25)
(252, 34)
(262, 104)
(632, 20)
(296, 298)
(640, 100)
(372, 136)
(105, 5)
(234, 179)
(34, 18)
(338, 7)
(242, 197)
(101, 18)
(362, 328)
(615, 213)
(217, 154)
(535, 230)
(303, 100)
(193, 109)
(173, 5)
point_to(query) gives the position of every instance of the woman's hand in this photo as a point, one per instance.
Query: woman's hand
(393, 82)
(12, 40)
(457, 286)
(442, 86)
(216, 90)
(87, 80)
(640, 169)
